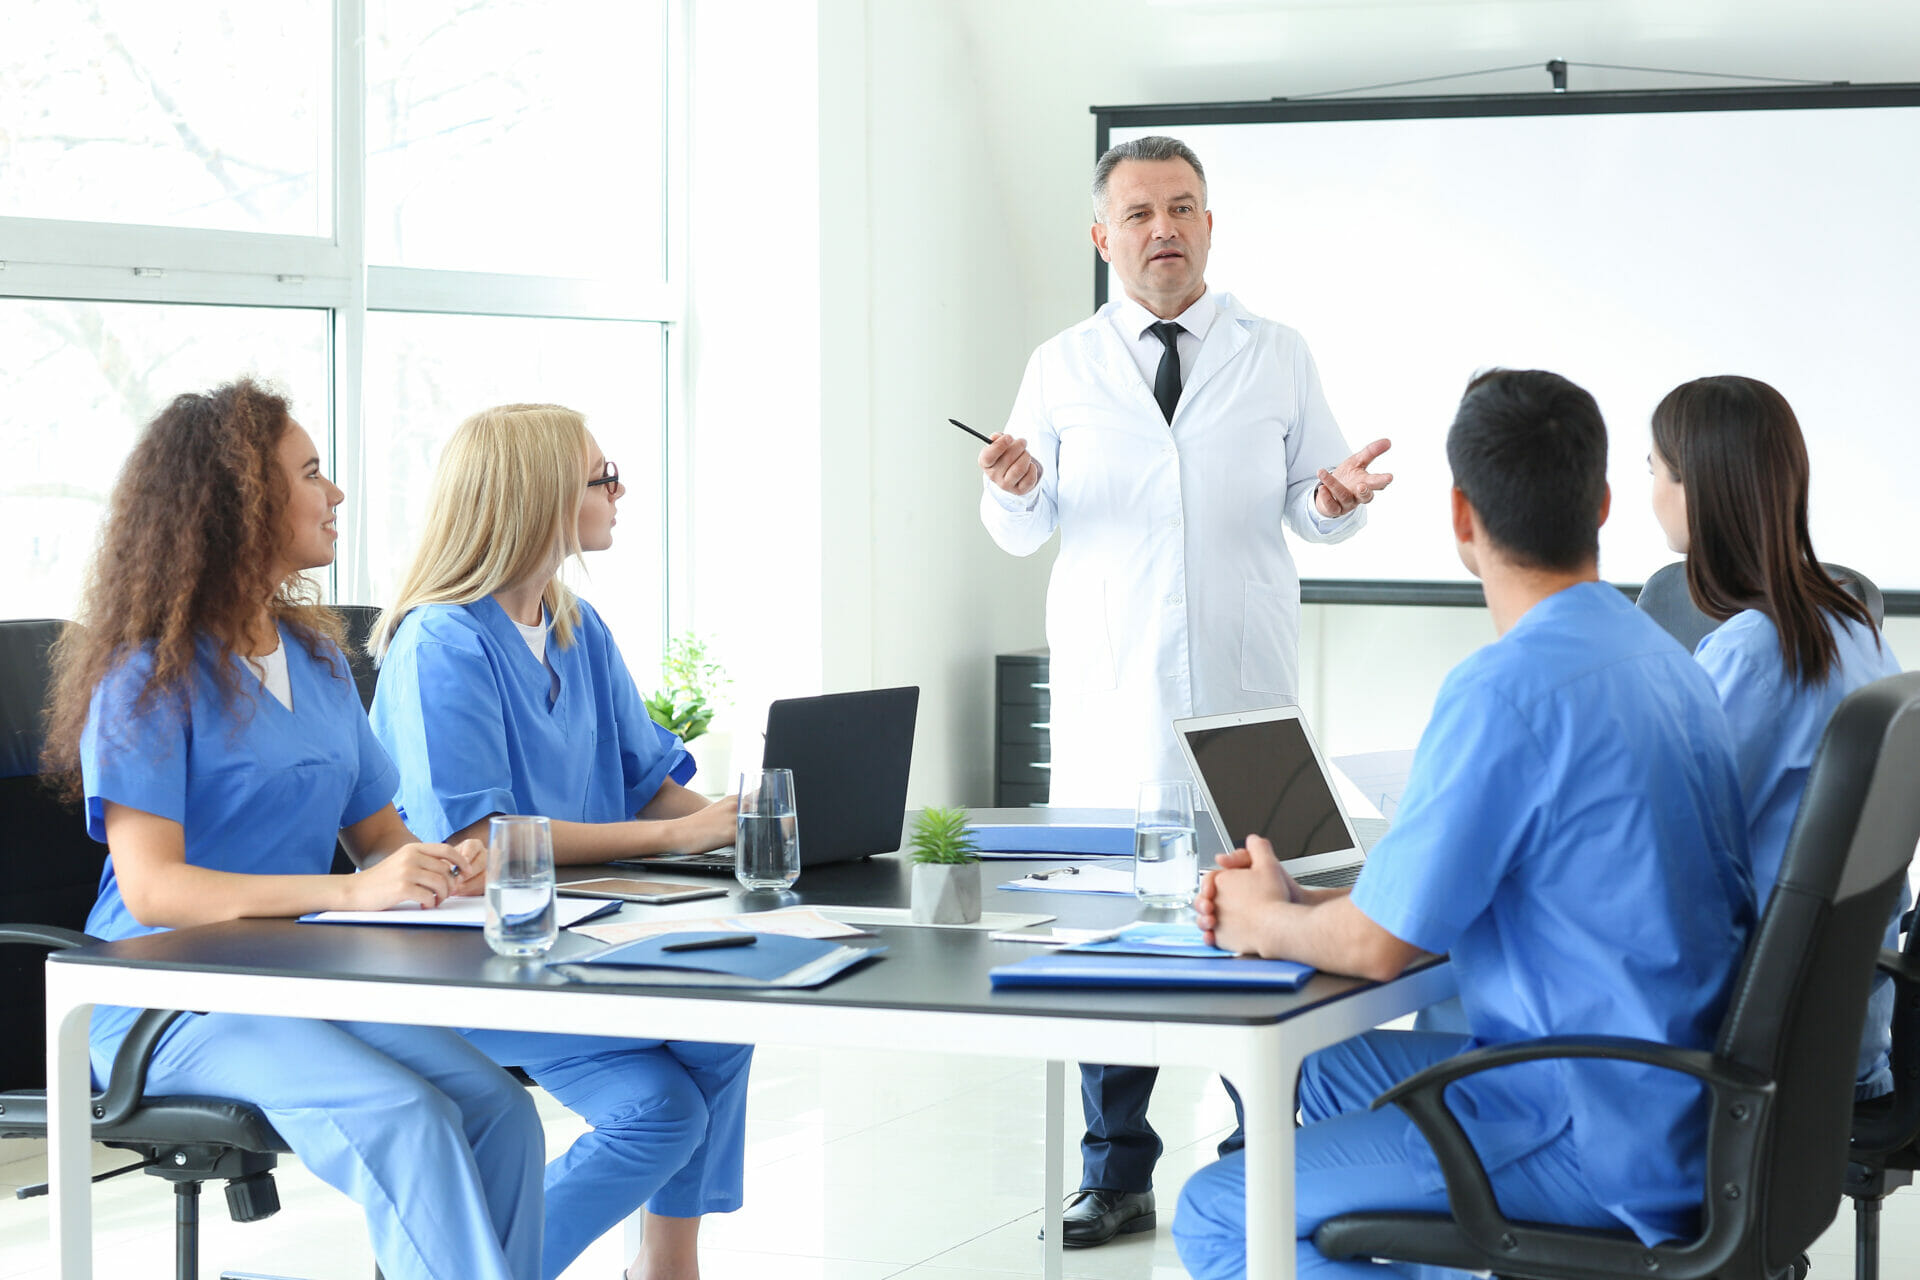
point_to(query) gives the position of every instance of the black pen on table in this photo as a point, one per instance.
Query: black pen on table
(970, 431)
(713, 944)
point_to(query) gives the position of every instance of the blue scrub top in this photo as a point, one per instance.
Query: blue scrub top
(1778, 723)
(1777, 726)
(256, 787)
(466, 710)
(1572, 833)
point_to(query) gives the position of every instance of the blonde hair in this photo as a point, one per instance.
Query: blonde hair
(505, 504)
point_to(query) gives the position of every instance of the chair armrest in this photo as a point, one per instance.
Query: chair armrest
(1469, 1190)
(1900, 966)
(1694, 1062)
(128, 1080)
(53, 937)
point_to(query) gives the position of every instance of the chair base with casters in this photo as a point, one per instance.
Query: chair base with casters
(1885, 1148)
(1868, 1187)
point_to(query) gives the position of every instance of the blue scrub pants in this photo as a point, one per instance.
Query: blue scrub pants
(439, 1146)
(1348, 1158)
(669, 1129)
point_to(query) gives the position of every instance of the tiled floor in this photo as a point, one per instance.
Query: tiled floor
(859, 1167)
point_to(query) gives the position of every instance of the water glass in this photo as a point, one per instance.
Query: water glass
(766, 844)
(1166, 859)
(520, 914)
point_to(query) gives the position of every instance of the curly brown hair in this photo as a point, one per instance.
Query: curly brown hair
(188, 550)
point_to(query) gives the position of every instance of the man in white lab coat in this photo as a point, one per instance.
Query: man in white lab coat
(1168, 438)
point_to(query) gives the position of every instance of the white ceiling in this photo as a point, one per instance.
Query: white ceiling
(1217, 50)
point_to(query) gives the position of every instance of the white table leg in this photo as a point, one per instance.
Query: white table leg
(632, 1232)
(1267, 1083)
(1054, 1265)
(69, 1133)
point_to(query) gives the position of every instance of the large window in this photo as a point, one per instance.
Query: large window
(399, 211)
(425, 373)
(78, 380)
(130, 111)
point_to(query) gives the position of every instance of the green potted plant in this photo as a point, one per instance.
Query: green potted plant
(685, 703)
(946, 868)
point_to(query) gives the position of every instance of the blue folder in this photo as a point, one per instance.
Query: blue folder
(1084, 839)
(1237, 973)
(774, 960)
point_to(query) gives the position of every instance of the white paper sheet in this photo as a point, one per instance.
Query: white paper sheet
(1084, 877)
(454, 913)
(1378, 778)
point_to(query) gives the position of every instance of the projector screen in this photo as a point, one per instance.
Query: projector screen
(1628, 241)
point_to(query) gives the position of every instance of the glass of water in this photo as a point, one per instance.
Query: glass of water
(766, 844)
(520, 914)
(1166, 861)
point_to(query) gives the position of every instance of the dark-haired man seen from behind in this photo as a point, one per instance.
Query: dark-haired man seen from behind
(1572, 834)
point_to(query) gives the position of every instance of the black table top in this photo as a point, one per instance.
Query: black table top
(924, 968)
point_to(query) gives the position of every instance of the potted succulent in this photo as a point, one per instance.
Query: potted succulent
(946, 869)
(685, 703)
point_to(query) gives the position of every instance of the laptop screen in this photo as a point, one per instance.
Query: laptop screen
(1265, 780)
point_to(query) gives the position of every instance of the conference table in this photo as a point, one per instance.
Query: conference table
(929, 991)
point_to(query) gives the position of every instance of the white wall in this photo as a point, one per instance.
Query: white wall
(755, 369)
(919, 223)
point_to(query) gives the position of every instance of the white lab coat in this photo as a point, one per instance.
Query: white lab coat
(1174, 593)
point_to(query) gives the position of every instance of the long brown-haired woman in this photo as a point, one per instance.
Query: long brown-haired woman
(206, 715)
(1730, 481)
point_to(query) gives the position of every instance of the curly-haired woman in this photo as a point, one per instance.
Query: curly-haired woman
(206, 715)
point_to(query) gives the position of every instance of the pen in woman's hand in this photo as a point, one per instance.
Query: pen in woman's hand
(970, 431)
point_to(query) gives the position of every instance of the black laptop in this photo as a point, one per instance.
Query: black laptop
(849, 753)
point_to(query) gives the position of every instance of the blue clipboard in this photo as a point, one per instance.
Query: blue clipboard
(773, 961)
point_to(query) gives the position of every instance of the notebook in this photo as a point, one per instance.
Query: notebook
(1078, 969)
(849, 753)
(1261, 773)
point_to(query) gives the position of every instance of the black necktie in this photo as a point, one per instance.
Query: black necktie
(1166, 379)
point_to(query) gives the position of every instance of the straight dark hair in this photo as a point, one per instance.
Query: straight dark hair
(1529, 450)
(1742, 463)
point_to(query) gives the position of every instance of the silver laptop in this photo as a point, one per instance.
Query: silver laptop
(1261, 773)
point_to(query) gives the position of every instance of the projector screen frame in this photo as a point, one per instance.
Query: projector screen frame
(1172, 117)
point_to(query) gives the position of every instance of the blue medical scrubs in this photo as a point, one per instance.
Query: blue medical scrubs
(1777, 725)
(1572, 833)
(472, 718)
(440, 1147)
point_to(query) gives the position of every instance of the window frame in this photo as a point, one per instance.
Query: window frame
(120, 262)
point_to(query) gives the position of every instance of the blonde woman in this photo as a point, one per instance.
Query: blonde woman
(502, 692)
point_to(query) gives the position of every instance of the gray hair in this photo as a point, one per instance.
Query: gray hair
(1156, 147)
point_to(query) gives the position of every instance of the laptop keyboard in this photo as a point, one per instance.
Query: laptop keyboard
(1332, 878)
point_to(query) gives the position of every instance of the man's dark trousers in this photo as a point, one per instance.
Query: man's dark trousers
(1120, 1148)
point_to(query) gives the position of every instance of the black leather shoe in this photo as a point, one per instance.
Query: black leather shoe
(1097, 1216)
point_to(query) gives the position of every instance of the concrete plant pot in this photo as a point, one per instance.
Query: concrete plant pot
(946, 892)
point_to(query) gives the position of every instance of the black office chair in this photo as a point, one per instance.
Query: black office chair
(1665, 596)
(51, 877)
(1779, 1080)
(359, 619)
(1885, 1150)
